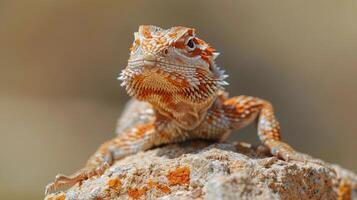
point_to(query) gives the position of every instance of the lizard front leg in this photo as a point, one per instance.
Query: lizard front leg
(139, 138)
(243, 110)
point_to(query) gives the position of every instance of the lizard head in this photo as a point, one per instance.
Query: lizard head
(173, 64)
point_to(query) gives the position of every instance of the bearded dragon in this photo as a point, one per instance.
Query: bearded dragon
(178, 95)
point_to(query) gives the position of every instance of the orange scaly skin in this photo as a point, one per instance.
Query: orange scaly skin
(178, 95)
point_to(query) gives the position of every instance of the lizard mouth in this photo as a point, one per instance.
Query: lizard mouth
(149, 63)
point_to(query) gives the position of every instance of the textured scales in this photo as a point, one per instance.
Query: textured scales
(178, 95)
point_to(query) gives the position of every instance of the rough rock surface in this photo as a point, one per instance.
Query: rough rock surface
(200, 170)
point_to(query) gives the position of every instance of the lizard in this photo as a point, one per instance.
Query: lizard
(178, 94)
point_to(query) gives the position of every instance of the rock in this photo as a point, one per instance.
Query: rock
(200, 170)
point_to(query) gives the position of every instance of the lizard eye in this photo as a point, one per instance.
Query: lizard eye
(190, 44)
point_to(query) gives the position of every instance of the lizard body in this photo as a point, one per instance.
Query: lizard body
(178, 95)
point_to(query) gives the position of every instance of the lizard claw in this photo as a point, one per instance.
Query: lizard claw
(68, 181)
(50, 187)
(284, 151)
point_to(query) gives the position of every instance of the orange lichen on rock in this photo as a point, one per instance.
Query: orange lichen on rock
(136, 193)
(344, 191)
(163, 188)
(180, 176)
(114, 183)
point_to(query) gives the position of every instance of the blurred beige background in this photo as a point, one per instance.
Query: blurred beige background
(59, 97)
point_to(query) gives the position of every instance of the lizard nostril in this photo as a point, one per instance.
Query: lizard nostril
(166, 51)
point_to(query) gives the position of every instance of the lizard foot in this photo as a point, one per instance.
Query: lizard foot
(283, 151)
(68, 181)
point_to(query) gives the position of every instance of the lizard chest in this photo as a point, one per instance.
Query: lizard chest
(214, 125)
